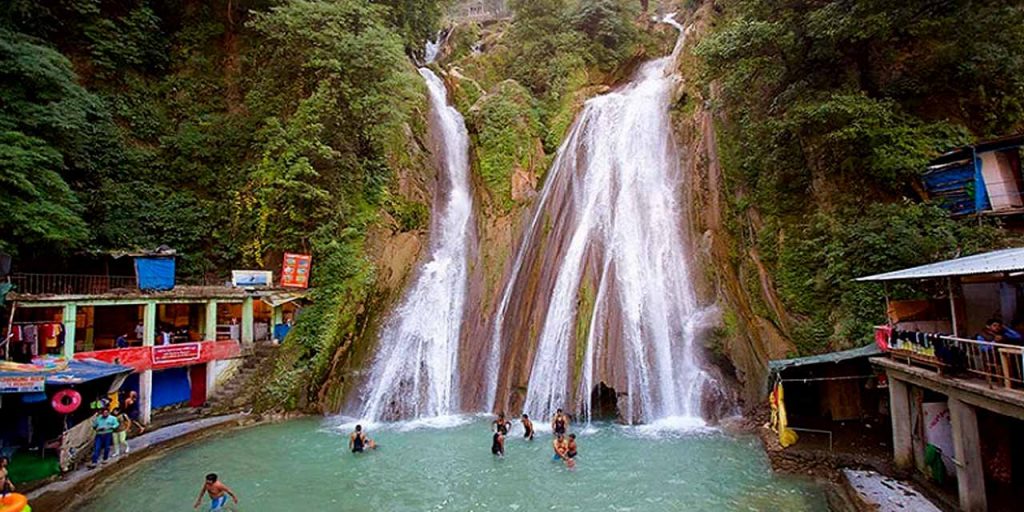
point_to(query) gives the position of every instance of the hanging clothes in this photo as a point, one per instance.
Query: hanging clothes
(787, 437)
(31, 334)
(49, 335)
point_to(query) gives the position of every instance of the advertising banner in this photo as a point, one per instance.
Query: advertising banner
(295, 270)
(22, 384)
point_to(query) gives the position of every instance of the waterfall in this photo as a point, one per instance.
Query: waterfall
(415, 370)
(609, 219)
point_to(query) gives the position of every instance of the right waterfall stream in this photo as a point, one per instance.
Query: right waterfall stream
(599, 308)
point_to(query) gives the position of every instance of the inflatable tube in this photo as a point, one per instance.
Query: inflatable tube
(14, 502)
(66, 401)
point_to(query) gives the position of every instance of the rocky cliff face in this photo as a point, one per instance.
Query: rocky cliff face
(509, 165)
(754, 327)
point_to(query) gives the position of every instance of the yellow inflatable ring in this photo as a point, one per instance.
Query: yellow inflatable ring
(14, 502)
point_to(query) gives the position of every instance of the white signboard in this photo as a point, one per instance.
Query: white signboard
(252, 278)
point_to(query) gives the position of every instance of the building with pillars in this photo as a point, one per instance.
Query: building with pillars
(181, 343)
(956, 378)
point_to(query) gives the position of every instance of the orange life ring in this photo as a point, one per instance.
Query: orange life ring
(13, 502)
(66, 401)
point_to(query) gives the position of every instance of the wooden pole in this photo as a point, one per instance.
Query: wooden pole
(952, 307)
(10, 329)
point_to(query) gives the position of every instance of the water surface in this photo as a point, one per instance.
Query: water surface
(304, 465)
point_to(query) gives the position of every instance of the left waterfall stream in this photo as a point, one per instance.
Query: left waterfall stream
(415, 372)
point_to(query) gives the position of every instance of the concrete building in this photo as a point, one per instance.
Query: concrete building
(181, 343)
(957, 398)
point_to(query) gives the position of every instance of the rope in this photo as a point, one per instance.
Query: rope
(816, 379)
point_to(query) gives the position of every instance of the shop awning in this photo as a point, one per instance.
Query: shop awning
(779, 365)
(76, 372)
(1005, 260)
(279, 298)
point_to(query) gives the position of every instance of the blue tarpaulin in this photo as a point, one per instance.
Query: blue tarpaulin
(155, 273)
(77, 372)
(170, 387)
(953, 187)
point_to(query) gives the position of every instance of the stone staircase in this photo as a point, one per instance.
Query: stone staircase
(236, 394)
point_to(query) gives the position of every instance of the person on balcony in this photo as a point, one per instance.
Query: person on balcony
(996, 332)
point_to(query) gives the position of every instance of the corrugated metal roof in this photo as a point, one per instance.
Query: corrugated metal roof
(778, 365)
(1004, 260)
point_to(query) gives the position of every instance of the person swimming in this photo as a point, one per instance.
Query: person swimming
(218, 493)
(501, 424)
(559, 422)
(570, 447)
(527, 427)
(358, 442)
(498, 444)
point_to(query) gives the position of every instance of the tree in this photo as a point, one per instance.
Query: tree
(50, 136)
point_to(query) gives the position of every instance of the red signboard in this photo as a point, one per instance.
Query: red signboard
(295, 270)
(175, 354)
(167, 356)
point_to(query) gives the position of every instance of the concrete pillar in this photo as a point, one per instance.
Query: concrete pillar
(970, 474)
(917, 427)
(247, 320)
(211, 321)
(210, 379)
(899, 410)
(146, 377)
(149, 324)
(146, 396)
(69, 317)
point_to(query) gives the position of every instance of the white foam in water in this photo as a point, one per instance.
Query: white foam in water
(347, 423)
(670, 427)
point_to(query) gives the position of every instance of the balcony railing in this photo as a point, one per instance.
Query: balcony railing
(70, 284)
(995, 362)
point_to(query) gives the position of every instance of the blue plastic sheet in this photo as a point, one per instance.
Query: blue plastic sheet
(171, 387)
(77, 372)
(155, 273)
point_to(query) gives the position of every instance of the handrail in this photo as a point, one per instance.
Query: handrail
(68, 284)
(993, 361)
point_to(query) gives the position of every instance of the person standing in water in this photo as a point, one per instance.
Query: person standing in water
(570, 447)
(498, 444)
(560, 422)
(527, 427)
(558, 445)
(358, 442)
(501, 425)
(218, 493)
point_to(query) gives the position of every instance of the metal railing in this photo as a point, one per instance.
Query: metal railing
(70, 284)
(995, 362)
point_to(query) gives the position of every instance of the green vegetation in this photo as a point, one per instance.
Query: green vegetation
(834, 109)
(506, 127)
(535, 73)
(232, 131)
